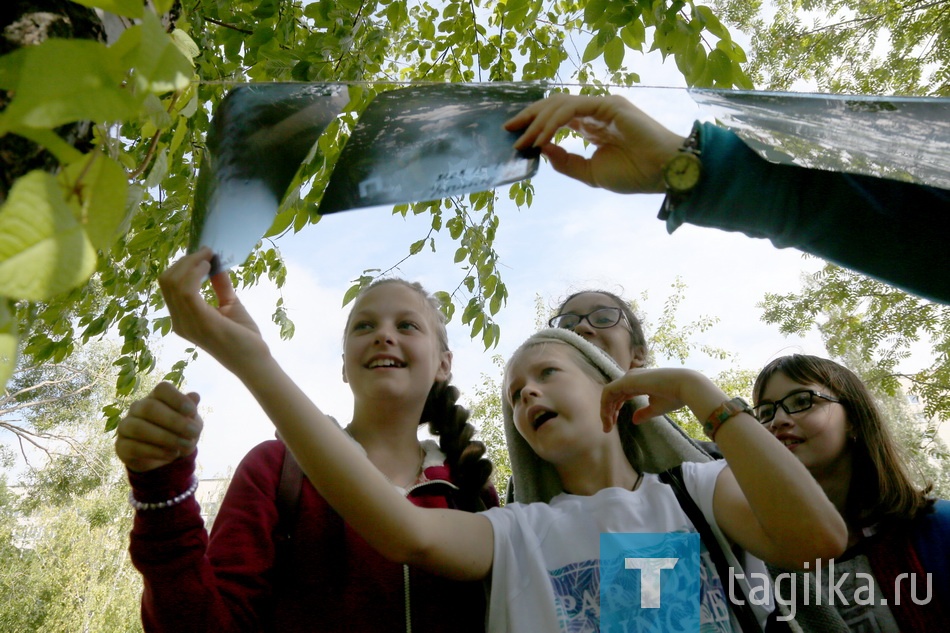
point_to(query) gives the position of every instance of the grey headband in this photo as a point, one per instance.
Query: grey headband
(662, 443)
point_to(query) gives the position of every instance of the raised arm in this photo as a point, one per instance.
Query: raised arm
(451, 543)
(885, 220)
(766, 501)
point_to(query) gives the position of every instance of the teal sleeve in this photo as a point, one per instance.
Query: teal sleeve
(887, 229)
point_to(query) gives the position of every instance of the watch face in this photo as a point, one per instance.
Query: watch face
(682, 172)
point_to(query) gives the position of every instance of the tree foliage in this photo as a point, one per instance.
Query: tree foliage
(875, 47)
(877, 328)
(83, 243)
(848, 46)
(66, 565)
(63, 535)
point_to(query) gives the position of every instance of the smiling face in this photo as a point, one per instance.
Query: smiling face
(392, 347)
(555, 398)
(819, 436)
(617, 340)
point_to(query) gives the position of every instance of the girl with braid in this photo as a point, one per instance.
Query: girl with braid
(397, 362)
(563, 397)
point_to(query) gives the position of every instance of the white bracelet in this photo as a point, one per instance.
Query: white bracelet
(174, 501)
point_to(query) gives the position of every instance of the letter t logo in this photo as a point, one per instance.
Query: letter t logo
(650, 569)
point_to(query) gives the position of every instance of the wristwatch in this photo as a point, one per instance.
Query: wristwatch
(682, 173)
(724, 412)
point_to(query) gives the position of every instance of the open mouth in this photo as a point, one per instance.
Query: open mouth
(542, 417)
(384, 362)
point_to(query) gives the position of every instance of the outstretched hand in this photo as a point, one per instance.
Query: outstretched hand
(227, 332)
(158, 429)
(631, 147)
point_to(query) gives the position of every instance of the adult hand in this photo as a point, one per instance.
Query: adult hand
(227, 332)
(631, 147)
(158, 429)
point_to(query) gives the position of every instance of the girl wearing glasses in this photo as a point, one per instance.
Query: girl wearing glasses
(825, 416)
(561, 402)
(607, 321)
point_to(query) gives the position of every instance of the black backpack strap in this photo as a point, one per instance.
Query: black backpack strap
(288, 506)
(743, 612)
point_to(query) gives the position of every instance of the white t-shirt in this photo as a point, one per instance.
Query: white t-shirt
(546, 568)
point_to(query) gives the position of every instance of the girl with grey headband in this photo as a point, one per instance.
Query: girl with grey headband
(565, 397)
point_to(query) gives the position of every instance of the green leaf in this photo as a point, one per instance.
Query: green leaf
(61, 81)
(282, 222)
(159, 65)
(633, 35)
(416, 246)
(613, 54)
(719, 67)
(8, 341)
(732, 50)
(351, 293)
(127, 8)
(495, 304)
(594, 11)
(461, 254)
(100, 187)
(43, 248)
(185, 44)
(593, 50)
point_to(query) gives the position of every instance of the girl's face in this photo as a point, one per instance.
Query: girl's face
(614, 340)
(818, 436)
(555, 404)
(391, 348)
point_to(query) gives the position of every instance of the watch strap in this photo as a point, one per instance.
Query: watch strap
(723, 413)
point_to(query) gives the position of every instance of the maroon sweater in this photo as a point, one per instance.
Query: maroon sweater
(334, 581)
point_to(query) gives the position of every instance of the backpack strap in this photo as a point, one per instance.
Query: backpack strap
(743, 612)
(288, 506)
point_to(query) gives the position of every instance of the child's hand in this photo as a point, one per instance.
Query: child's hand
(667, 389)
(158, 429)
(227, 332)
(631, 150)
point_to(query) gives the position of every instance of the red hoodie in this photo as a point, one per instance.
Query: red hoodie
(334, 580)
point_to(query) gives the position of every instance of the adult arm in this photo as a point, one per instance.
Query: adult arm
(890, 230)
(450, 543)
(765, 500)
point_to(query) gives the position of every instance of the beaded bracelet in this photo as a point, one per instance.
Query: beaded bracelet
(174, 501)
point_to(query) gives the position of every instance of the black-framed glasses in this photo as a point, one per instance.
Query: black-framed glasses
(600, 318)
(795, 402)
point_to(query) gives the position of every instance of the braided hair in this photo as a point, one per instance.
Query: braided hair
(448, 420)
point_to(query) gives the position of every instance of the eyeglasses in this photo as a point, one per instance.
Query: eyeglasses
(601, 318)
(795, 402)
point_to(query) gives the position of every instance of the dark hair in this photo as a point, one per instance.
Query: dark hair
(880, 487)
(637, 339)
(448, 420)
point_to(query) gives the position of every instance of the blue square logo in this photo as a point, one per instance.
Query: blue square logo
(649, 583)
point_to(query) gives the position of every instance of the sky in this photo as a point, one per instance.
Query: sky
(572, 237)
